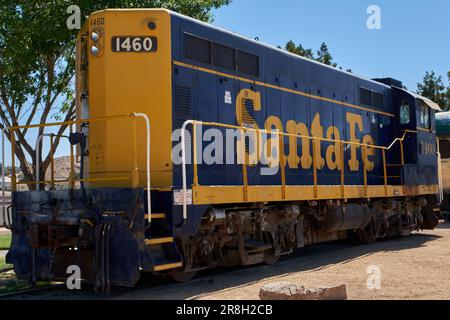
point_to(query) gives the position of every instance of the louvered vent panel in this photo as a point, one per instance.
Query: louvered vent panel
(248, 116)
(183, 106)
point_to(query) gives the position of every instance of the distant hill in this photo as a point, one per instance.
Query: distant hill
(62, 168)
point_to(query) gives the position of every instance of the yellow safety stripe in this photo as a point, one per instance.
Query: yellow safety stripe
(267, 85)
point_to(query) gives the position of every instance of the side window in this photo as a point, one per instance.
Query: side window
(365, 97)
(197, 49)
(405, 113)
(224, 56)
(444, 148)
(248, 63)
(424, 116)
(378, 100)
(219, 55)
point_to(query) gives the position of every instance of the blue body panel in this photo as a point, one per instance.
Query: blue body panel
(281, 69)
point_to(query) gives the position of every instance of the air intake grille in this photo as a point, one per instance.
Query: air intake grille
(183, 106)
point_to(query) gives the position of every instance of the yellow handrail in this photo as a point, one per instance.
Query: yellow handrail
(230, 126)
(364, 147)
(72, 179)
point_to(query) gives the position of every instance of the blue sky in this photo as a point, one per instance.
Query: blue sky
(414, 35)
(414, 38)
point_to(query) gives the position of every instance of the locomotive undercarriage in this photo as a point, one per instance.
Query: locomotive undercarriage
(262, 233)
(104, 233)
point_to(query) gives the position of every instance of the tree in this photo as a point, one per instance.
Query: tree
(299, 50)
(432, 87)
(323, 54)
(447, 94)
(37, 63)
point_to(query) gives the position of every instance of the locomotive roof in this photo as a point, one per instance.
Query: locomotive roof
(234, 34)
(425, 100)
(272, 47)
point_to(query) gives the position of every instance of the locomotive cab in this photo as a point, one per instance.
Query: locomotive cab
(415, 165)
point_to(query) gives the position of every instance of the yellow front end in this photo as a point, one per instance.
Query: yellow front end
(122, 77)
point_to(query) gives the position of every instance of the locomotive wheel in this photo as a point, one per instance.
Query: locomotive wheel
(367, 235)
(430, 219)
(270, 257)
(180, 276)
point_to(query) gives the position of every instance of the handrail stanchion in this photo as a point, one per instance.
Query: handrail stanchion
(3, 175)
(13, 160)
(364, 169)
(440, 182)
(282, 166)
(149, 191)
(401, 153)
(385, 172)
(135, 170)
(244, 166)
(72, 163)
(314, 166)
(52, 163)
(342, 170)
(38, 143)
(194, 163)
(183, 165)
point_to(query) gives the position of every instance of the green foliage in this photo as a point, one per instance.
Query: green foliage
(299, 50)
(447, 93)
(5, 241)
(37, 59)
(35, 41)
(323, 54)
(433, 88)
(3, 265)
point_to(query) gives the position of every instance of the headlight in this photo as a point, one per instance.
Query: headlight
(95, 50)
(95, 36)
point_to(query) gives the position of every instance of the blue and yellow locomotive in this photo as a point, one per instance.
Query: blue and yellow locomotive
(317, 154)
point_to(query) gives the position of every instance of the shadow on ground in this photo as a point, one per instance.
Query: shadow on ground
(303, 260)
(306, 259)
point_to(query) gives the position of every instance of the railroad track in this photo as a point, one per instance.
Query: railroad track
(30, 291)
(154, 284)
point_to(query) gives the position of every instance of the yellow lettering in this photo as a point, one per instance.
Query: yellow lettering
(333, 154)
(354, 120)
(369, 152)
(273, 123)
(248, 98)
(293, 159)
(317, 131)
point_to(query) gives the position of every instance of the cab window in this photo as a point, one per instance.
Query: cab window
(405, 113)
(424, 116)
(444, 148)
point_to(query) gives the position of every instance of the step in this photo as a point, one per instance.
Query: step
(156, 216)
(154, 241)
(254, 246)
(168, 265)
(161, 189)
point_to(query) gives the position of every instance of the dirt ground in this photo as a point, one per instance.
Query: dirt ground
(415, 267)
